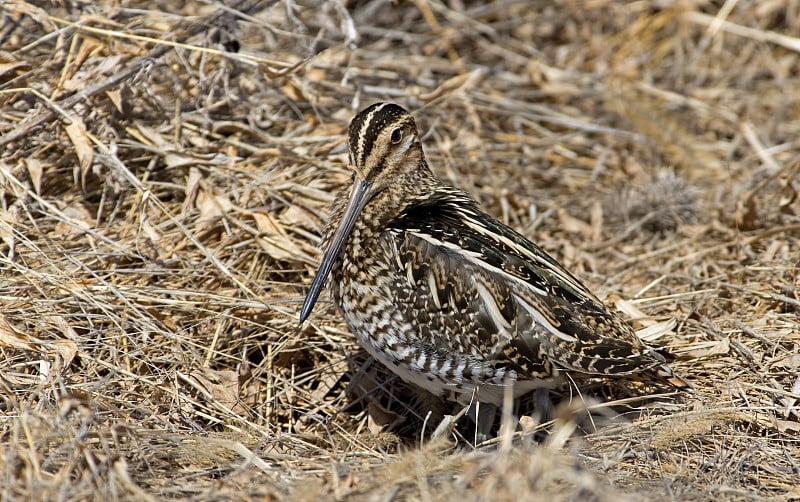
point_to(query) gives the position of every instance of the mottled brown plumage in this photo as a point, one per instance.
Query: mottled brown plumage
(448, 297)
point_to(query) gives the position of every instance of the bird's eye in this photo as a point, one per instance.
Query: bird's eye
(397, 135)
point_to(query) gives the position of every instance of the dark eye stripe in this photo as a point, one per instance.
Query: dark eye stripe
(368, 125)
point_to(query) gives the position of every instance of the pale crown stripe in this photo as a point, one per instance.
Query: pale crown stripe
(362, 134)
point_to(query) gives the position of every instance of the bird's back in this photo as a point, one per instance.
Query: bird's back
(448, 297)
(465, 301)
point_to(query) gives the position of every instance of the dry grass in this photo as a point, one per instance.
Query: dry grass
(162, 197)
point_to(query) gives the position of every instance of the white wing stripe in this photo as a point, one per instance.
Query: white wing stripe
(492, 308)
(542, 321)
(475, 259)
(434, 290)
(524, 252)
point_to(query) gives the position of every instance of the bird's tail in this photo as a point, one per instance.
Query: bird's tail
(664, 374)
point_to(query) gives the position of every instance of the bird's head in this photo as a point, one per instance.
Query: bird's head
(384, 146)
(385, 156)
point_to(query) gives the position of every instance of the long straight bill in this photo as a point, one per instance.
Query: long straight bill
(359, 196)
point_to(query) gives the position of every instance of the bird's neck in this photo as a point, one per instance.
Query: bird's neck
(391, 202)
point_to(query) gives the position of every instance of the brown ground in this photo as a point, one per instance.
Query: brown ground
(161, 204)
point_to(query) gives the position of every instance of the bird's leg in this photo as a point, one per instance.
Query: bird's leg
(482, 414)
(543, 406)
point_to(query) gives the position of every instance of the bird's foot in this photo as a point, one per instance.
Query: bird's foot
(483, 415)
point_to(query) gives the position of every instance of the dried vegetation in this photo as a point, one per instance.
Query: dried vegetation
(162, 194)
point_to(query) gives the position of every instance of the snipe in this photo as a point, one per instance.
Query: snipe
(448, 297)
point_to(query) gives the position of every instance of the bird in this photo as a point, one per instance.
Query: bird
(448, 297)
